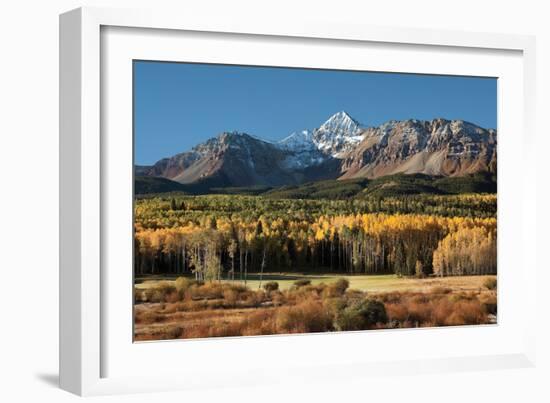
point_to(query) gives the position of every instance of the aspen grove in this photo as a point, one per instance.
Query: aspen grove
(227, 237)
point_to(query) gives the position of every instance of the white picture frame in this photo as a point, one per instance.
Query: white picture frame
(88, 313)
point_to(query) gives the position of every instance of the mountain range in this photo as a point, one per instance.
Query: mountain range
(340, 148)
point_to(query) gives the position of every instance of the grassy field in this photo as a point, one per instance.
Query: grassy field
(366, 283)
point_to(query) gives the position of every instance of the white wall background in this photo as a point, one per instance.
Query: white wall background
(29, 195)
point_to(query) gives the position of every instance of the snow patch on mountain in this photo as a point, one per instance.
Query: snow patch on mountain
(332, 139)
(301, 140)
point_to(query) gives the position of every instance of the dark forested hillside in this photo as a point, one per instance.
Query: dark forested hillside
(150, 184)
(392, 185)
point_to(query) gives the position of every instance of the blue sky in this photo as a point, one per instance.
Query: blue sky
(178, 105)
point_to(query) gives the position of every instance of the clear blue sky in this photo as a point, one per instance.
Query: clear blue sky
(178, 105)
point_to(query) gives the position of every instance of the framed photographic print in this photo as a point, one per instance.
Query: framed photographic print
(343, 226)
(257, 193)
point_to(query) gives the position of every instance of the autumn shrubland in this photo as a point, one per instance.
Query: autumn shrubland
(213, 309)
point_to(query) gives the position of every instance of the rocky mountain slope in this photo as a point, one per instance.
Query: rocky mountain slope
(340, 148)
(436, 147)
(238, 159)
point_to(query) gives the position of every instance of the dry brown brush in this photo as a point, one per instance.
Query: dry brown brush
(195, 310)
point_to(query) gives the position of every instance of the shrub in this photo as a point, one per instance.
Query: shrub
(392, 297)
(317, 289)
(148, 317)
(278, 298)
(260, 322)
(188, 305)
(350, 319)
(335, 305)
(147, 294)
(209, 290)
(230, 297)
(161, 292)
(420, 298)
(299, 295)
(158, 293)
(238, 288)
(397, 312)
(307, 316)
(289, 320)
(459, 297)
(169, 308)
(363, 315)
(467, 313)
(441, 290)
(214, 303)
(138, 295)
(441, 311)
(490, 283)
(489, 302)
(251, 299)
(172, 297)
(183, 283)
(355, 294)
(340, 286)
(373, 311)
(230, 329)
(490, 308)
(419, 313)
(173, 332)
(271, 286)
(302, 283)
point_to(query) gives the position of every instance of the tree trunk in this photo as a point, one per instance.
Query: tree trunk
(262, 267)
(245, 266)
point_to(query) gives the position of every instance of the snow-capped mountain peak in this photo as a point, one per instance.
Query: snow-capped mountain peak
(330, 140)
(338, 134)
(341, 122)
